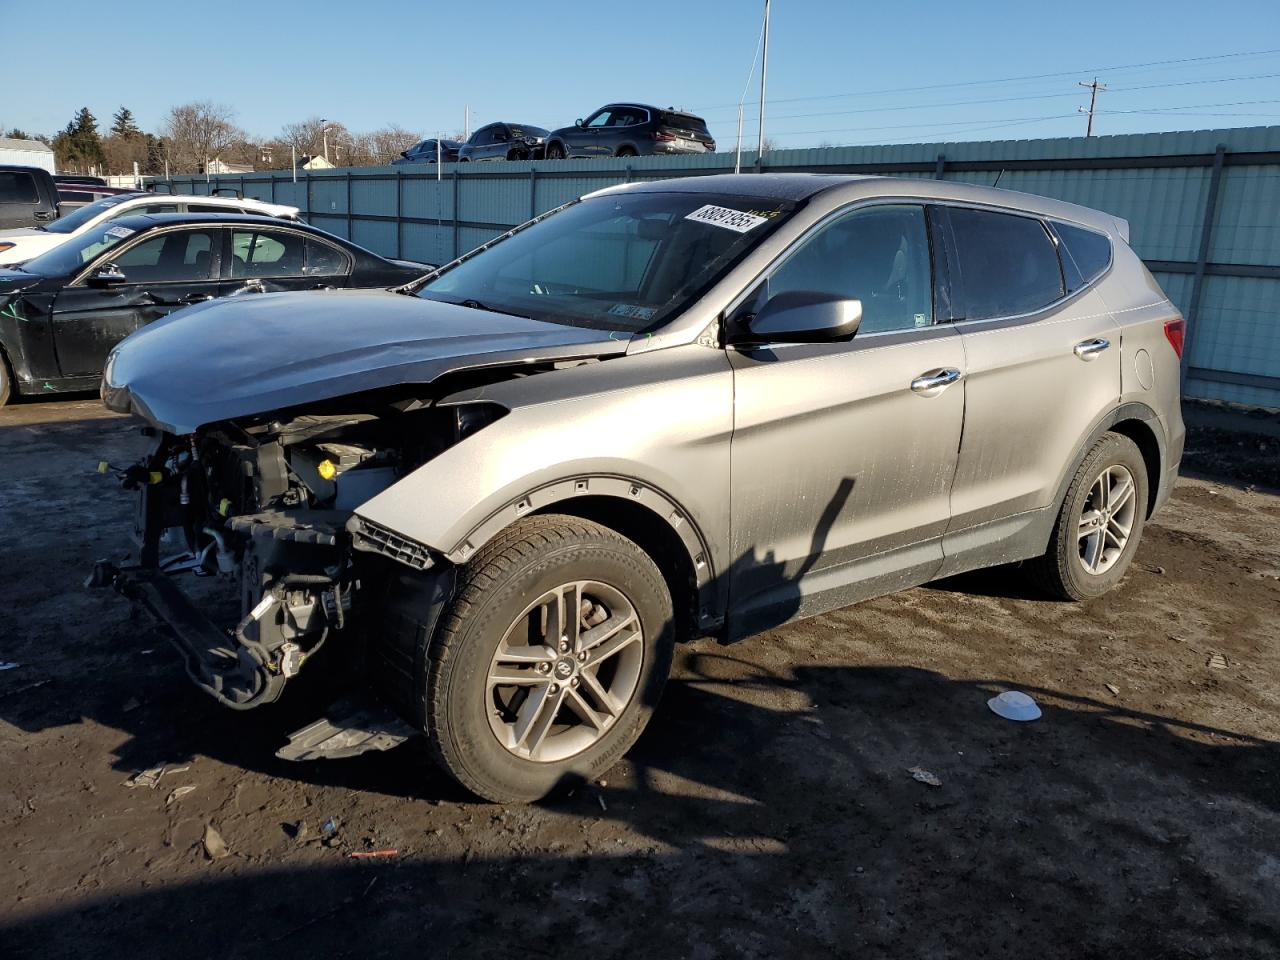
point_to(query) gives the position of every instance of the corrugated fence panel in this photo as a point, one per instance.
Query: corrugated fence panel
(1160, 183)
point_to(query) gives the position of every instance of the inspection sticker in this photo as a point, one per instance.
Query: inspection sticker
(120, 232)
(738, 221)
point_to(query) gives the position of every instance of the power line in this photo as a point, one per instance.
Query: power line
(1020, 99)
(1034, 76)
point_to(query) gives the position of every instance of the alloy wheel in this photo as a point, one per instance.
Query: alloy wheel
(565, 671)
(1106, 519)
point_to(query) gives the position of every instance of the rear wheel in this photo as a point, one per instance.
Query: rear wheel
(550, 660)
(6, 381)
(555, 151)
(1099, 525)
(627, 152)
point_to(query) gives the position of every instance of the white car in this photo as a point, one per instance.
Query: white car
(24, 243)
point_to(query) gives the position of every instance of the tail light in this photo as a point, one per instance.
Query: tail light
(664, 135)
(1174, 330)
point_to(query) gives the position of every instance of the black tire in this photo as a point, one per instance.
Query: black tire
(1062, 571)
(6, 381)
(533, 556)
(556, 151)
(627, 152)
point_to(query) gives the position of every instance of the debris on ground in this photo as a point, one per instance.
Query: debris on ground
(1115, 691)
(130, 704)
(177, 794)
(371, 854)
(603, 805)
(215, 848)
(1217, 662)
(1014, 705)
(924, 776)
(150, 777)
(330, 832)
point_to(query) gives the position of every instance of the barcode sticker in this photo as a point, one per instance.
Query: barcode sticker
(738, 221)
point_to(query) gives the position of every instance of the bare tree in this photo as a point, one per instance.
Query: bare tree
(198, 132)
(383, 145)
(308, 136)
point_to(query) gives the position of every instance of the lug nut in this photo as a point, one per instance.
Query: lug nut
(582, 657)
(573, 682)
(555, 688)
(564, 644)
(544, 668)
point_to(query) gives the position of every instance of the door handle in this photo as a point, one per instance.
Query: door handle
(195, 298)
(1089, 349)
(43, 215)
(933, 382)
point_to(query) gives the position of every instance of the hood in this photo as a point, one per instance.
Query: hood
(265, 352)
(26, 246)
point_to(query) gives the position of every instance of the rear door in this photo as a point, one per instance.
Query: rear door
(20, 204)
(1042, 368)
(264, 259)
(164, 272)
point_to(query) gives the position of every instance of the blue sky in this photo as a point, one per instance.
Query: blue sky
(837, 70)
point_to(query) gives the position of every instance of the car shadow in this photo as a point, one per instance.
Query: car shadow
(794, 830)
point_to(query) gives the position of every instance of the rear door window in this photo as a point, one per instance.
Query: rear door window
(17, 187)
(262, 253)
(1006, 264)
(1086, 254)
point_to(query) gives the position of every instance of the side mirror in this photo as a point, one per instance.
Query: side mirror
(578, 122)
(107, 275)
(802, 316)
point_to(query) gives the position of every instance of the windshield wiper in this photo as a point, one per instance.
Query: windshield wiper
(477, 305)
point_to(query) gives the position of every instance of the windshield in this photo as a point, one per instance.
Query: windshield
(70, 256)
(626, 261)
(76, 219)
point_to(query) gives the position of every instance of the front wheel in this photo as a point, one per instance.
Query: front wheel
(549, 661)
(555, 151)
(1099, 524)
(6, 381)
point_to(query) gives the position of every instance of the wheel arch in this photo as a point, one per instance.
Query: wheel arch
(1142, 425)
(637, 510)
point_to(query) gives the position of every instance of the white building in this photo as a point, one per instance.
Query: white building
(30, 153)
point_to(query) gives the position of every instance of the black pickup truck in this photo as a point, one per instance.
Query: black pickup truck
(28, 196)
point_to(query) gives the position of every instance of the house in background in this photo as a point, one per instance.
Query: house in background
(218, 165)
(307, 162)
(30, 153)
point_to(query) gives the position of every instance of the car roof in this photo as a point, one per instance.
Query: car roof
(796, 187)
(140, 221)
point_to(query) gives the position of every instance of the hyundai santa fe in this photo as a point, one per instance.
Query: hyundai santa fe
(699, 407)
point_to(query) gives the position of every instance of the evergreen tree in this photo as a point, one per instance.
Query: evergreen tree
(79, 146)
(124, 125)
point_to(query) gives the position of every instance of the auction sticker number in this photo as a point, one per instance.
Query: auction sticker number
(738, 221)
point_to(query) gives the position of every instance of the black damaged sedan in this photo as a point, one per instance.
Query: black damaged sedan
(62, 312)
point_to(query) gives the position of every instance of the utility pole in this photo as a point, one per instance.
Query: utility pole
(324, 133)
(1093, 89)
(466, 123)
(764, 73)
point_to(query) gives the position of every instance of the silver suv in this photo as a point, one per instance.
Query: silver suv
(692, 407)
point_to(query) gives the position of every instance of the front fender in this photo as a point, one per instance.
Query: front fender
(653, 428)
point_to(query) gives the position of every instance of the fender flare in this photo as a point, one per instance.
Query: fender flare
(624, 489)
(1126, 411)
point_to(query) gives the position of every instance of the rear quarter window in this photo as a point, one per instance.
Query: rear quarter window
(1086, 254)
(1007, 264)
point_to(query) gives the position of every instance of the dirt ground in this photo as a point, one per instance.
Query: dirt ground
(769, 810)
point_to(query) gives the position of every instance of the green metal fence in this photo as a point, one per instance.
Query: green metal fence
(1203, 208)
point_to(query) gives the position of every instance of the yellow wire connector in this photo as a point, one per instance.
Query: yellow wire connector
(103, 466)
(224, 507)
(327, 469)
(155, 476)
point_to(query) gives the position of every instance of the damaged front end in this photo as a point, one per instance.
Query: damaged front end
(258, 513)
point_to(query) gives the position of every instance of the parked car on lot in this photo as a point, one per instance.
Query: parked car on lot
(28, 196)
(631, 130)
(24, 244)
(62, 312)
(504, 141)
(76, 191)
(429, 151)
(676, 408)
(80, 179)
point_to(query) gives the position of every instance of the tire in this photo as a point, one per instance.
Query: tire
(556, 151)
(627, 152)
(1083, 560)
(521, 742)
(6, 381)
